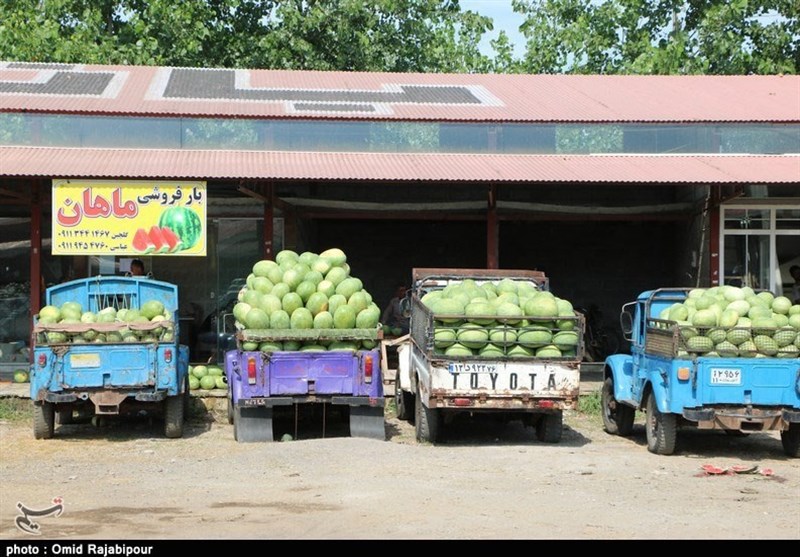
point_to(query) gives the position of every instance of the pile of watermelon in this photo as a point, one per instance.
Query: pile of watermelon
(69, 323)
(305, 291)
(505, 318)
(207, 377)
(729, 322)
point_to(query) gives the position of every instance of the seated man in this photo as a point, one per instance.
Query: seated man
(393, 313)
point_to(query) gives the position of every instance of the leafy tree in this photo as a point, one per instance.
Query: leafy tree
(661, 36)
(358, 35)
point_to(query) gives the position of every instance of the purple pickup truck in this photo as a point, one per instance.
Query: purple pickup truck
(260, 381)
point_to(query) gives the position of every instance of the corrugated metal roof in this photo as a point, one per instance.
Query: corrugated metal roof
(281, 165)
(142, 90)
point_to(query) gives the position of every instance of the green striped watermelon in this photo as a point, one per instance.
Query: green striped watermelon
(184, 223)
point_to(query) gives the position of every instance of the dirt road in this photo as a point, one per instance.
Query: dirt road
(488, 481)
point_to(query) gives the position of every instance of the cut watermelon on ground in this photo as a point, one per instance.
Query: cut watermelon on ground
(745, 469)
(713, 470)
(160, 245)
(173, 242)
(141, 242)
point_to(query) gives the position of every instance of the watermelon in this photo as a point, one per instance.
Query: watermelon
(151, 308)
(301, 318)
(49, 314)
(334, 256)
(200, 371)
(185, 223)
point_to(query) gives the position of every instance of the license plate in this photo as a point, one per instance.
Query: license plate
(471, 367)
(253, 402)
(79, 361)
(726, 376)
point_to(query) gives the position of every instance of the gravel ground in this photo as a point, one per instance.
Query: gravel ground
(488, 480)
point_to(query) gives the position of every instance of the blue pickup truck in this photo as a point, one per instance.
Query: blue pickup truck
(108, 346)
(686, 371)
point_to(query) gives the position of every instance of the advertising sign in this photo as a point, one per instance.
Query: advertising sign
(129, 218)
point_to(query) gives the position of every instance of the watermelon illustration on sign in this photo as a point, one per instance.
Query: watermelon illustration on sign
(184, 223)
(156, 240)
(159, 244)
(173, 242)
(141, 242)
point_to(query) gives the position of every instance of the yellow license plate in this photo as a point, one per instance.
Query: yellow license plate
(84, 360)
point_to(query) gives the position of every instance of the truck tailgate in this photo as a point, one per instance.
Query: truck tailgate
(292, 373)
(757, 381)
(503, 378)
(101, 365)
(301, 373)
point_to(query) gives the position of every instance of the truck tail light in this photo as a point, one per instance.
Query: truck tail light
(42, 360)
(462, 402)
(683, 373)
(547, 404)
(168, 355)
(251, 371)
(367, 369)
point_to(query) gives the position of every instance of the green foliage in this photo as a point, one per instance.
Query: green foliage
(14, 409)
(591, 404)
(661, 37)
(356, 35)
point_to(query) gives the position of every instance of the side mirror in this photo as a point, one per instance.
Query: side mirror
(626, 321)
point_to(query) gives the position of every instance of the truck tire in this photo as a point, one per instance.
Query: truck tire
(662, 429)
(403, 403)
(790, 439)
(173, 416)
(550, 427)
(44, 418)
(426, 421)
(617, 417)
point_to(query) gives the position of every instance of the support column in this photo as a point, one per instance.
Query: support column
(492, 231)
(269, 213)
(714, 236)
(36, 247)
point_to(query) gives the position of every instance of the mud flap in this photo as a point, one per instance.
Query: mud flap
(367, 421)
(252, 424)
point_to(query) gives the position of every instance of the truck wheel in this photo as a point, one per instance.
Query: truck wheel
(550, 427)
(44, 418)
(617, 417)
(790, 439)
(661, 429)
(173, 416)
(403, 403)
(426, 421)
